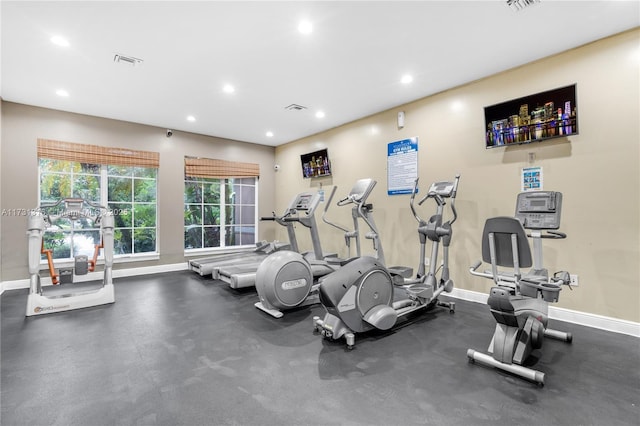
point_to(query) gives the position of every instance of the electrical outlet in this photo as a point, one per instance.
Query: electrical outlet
(574, 280)
(426, 261)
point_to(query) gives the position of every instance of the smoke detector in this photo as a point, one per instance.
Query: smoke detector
(127, 59)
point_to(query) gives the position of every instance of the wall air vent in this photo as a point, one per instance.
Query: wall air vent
(295, 107)
(127, 59)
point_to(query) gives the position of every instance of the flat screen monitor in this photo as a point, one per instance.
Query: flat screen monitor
(316, 164)
(534, 118)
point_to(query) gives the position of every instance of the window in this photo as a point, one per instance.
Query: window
(63, 179)
(132, 198)
(219, 212)
(128, 189)
(220, 203)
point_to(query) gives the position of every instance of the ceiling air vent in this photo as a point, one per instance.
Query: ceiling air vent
(521, 4)
(127, 59)
(295, 107)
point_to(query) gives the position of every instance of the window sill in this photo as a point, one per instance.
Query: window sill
(217, 251)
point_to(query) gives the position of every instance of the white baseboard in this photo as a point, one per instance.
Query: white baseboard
(95, 276)
(582, 318)
(561, 314)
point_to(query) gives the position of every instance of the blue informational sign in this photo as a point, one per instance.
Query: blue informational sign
(402, 166)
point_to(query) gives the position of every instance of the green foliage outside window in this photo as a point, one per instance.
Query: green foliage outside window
(131, 196)
(219, 212)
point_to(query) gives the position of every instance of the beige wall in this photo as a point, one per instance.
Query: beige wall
(0, 188)
(597, 171)
(21, 127)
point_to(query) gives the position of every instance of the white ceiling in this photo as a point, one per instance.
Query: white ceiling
(350, 66)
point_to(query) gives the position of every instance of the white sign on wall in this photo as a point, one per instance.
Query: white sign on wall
(531, 179)
(402, 166)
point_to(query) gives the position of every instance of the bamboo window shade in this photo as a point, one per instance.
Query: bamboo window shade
(94, 154)
(219, 169)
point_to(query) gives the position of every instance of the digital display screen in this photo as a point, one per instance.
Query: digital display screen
(533, 118)
(302, 203)
(316, 164)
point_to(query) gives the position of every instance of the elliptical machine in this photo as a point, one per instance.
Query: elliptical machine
(520, 302)
(38, 221)
(287, 279)
(360, 296)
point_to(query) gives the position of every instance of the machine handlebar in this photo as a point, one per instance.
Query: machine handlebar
(454, 193)
(437, 197)
(277, 218)
(473, 269)
(346, 200)
(326, 208)
(556, 235)
(411, 201)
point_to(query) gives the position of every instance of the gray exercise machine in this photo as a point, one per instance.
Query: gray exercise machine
(238, 269)
(287, 279)
(301, 211)
(38, 222)
(365, 295)
(208, 265)
(519, 301)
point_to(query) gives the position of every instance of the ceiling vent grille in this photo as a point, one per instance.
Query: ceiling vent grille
(127, 59)
(521, 4)
(295, 107)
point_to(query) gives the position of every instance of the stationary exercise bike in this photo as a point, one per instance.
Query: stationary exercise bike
(38, 221)
(361, 296)
(520, 302)
(287, 279)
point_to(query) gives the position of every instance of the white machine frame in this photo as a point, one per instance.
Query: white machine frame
(38, 222)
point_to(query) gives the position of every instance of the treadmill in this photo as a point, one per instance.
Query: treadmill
(210, 265)
(204, 266)
(302, 211)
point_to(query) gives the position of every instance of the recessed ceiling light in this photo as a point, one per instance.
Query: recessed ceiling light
(406, 79)
(305, 27)
(269, 134)
(60, 41)
(227, 88)
(62, 92)
(191, 118)
(320, 114)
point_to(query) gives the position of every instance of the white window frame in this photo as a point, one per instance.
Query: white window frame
(223, 247)
(104, 191)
